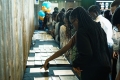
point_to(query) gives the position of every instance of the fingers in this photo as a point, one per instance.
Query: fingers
(77, 70)
(45, 66)
(41, 67)
(115, 55)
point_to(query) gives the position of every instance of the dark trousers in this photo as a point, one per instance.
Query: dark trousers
(95, 74)
(114, 70)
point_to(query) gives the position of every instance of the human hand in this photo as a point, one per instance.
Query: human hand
(115, 54)
(46, 65)
(77, 70)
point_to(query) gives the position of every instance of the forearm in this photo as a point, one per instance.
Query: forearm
(57, 54)
(63, 50)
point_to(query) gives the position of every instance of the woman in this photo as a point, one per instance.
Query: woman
(116, 39)
(57, 27)
(92, 50)
(65, 29)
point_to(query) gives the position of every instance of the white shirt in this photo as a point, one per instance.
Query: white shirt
(56, 32)
(63, 38)
(107, 27)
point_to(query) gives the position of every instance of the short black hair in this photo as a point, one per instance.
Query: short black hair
(115, 3)
(116, 17)
(94, 8)
(63, 10)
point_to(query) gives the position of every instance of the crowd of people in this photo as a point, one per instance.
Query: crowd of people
(89, 40)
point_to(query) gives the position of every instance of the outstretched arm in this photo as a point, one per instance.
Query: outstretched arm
(60, 52)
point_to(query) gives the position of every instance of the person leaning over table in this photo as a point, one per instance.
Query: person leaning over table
(92, 51)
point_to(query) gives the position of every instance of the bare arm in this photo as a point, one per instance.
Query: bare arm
(60, 52)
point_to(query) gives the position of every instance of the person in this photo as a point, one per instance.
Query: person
(65, 29)
(116, 39)
(92, 51)
(114, 5)
(108, 15)
(94, 12)
(55, 11)
(57, 27)
(65, 34)
(62, 10)
(47, 23)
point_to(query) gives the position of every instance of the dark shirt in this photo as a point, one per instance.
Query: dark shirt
(92, 49)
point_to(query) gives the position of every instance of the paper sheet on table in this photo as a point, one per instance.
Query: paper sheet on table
(55, 78)
(38, 58)
(30, 63)
(42, 78)
(31, 51)
(38, 63)
(31, 58)
(36, 70)
(68, 78)
(61, 61)
(63, 72)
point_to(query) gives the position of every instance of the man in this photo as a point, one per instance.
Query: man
(114, 5)
(116, 39)
(94, 12)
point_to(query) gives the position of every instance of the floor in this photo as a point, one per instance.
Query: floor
(43, 46)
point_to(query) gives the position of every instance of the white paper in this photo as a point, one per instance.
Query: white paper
(55, 78)
(44, 54)
(68, 78)
(30, 63)
(32, 51)
(38, 63)
(38, 58)
(42, 78)
(36, 70)
(44, 58)
(61, 57)
(31, 58)
(37, 54)
(52, 62)
(50, 54)
(61, 61)
(63, 72)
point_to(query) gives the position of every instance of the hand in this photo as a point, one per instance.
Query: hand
(115, 54)
(46, 65)
(77, 70)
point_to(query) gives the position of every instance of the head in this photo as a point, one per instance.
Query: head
(63, 10)
(79, 18)
(67, 24)
(116, 18)
(94, 11)
(107, 14)
(56, 9)
(114, 5)
(66, 17)
(60, 17)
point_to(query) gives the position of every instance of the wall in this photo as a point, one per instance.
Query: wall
(16, 30)
(61, 4)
